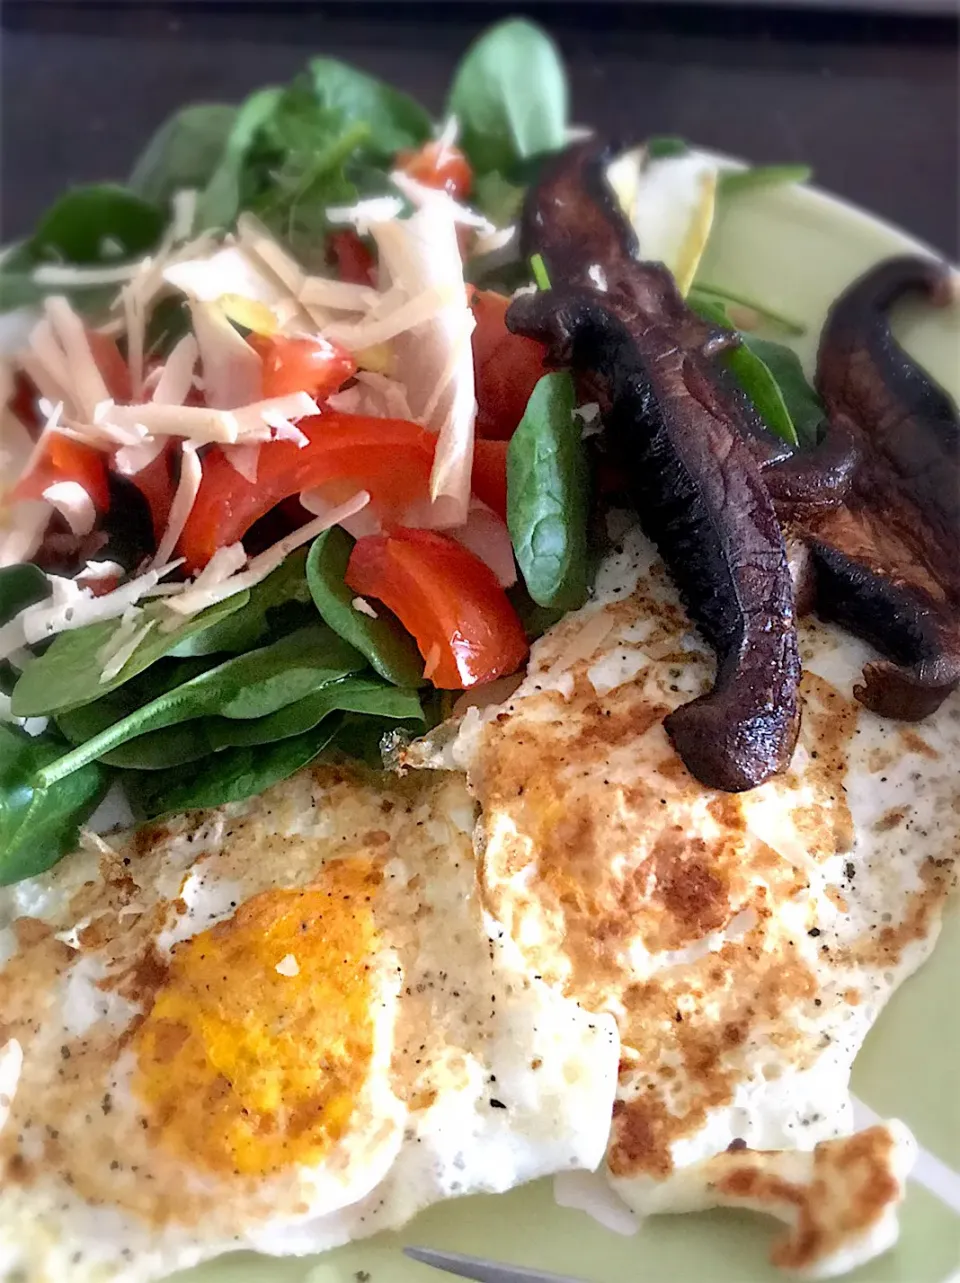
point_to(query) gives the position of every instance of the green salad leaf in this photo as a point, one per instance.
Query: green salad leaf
(772, 377)
(390, 650)
(249, 626)
(547, 496)
(195, 740)
(803, 405)
(21, 586)
(394, 121)
(221, 198)
(741, 180)
(251, 685)
(100, 224)
(184, 152)
(68, 672)
(230, 776)
(510, 96)
(40, 823)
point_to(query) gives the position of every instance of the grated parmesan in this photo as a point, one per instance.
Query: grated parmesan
(191, 474)
(73, 504)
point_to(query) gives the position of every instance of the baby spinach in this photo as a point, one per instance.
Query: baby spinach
(390, 650)
(84, 722)
(251, 685)
(190, 741)
(249, 626)
(39, 823)
(96, 224)
(703, 295)
(547, 496)
(772, 377)
(394, 121)
(68, 672)
(510, 96)
(220, 200)
(740, 180)
(230, 776)
(803, 405)
(20, 586)
(184, 152)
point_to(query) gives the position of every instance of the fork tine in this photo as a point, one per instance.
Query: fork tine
(481, 1271)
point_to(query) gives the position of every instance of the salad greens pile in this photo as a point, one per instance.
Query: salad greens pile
(271, 678)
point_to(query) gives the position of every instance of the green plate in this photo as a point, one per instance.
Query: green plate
(794, 250)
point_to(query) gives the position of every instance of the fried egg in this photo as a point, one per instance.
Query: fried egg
(744, 943)
(280, 1026)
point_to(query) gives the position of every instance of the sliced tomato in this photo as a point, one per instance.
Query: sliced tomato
(64, 459)
(312, 365)
(391, 458)
(439, 165)
(112, 366)
(490, 474)
(464, 625)
(354, 261)
(157, 483)
(507, 366)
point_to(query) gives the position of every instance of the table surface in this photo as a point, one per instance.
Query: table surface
(871, 101)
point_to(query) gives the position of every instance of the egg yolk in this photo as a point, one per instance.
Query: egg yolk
(258, 1046)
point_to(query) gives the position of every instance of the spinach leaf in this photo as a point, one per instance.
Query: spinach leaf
(68, 672)
(757, 381)
(184, 152)
(101, 223)
(547, 496)
(230, 776)
(662, 147)
(249, 626)
(772, 377)
(510, 96)
(191, 741)
(803, 405)
(81, 724)
(20, 586)
(394, 121)
(703, 295)
(391, 651)
(39, 824)
(220, 200)
(740, 180)
(251, 685)
(499, 199)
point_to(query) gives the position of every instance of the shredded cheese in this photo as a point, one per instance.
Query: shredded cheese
(68, 275)
(423, 307)
(232, 370)
(363, 607)
(131, 459)
(419, 195)
(199, 597)
(338, 296)
(176, 377)
(74, 504)
(191, 474)
(365, 213)
(84, 378)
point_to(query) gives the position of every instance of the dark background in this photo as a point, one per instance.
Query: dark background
(871, 101)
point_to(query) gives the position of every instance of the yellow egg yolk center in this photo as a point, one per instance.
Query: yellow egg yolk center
(257, 1047)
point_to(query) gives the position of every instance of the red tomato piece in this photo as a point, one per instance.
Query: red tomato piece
(354, 261)
(112, 366)
(391, 458)
(64, 459)
(464, 625)
(490, 474)
(312, 365)
(440, 165)
(157, 484)
(507, 366)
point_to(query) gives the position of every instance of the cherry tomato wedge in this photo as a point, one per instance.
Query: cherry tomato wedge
(464, 625)
(112, 366)
(440, 165)
(354, 261)
(490, 474)
(391, 458)
(308, 365)
(507, 366)
(66, 460)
